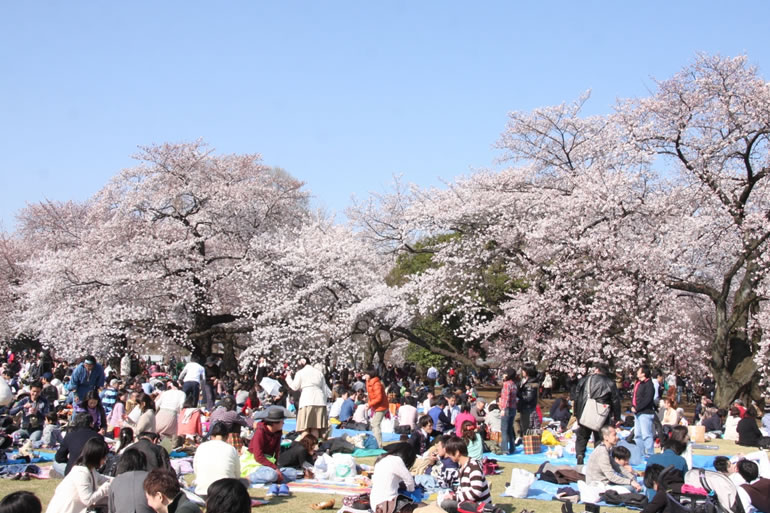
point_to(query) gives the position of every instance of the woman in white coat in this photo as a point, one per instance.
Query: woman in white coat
(83, 487)
(312, 415)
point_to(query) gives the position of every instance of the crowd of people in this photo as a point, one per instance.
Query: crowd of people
(108, 423)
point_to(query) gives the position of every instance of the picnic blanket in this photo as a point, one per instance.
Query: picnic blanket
(365, 453)
(545, 491)
(323, 486)
(698, 460)
(43, 457)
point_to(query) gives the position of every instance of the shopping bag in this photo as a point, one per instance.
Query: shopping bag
(532, 442)
(594, 415)
(521, 480)
(548, 438)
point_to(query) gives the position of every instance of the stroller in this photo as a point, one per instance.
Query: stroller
(722, 494)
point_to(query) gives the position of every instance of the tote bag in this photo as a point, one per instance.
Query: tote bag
(594, 414)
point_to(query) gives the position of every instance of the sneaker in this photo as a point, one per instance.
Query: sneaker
(518, 441)
(272, 490)
(283, 490)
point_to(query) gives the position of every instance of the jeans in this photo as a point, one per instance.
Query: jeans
(192, 390)
(644, 433)
(376, 426)
(265, 474)
(508, 433)
(59, 467)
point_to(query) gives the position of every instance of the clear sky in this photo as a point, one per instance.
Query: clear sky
(343, 95)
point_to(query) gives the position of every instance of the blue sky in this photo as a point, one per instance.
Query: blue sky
(343, 95)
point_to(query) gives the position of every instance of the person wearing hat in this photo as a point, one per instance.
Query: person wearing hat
(265, 445)
(87, 376)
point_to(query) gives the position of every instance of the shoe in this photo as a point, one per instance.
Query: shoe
(272, 490)
(283, 490)
(518, 441)
(580, 460)
(323, 505)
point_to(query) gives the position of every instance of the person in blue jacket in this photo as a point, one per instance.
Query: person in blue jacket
(87, 376)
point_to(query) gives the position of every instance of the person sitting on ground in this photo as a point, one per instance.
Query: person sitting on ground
(712, 420)
(731, 423)
(156, 455)
(164, 495)
(146, 421)
(473, 486)
(441, 421)
(215, 459)
(20, 502)
(228, 496)
(390, 470)
(670, 415)
(407, 414)
(51, 432)
(472, 440)
(127, 490)
(560, 412)
(755, 492)
(74, 442)
(92, 404)
(494, 421)
(600, 464)
(748, 432)
(189, 420)
(673, 449)
(671, 483)
(421, 439)
(83, 488)
(265, 446)
(226, 414)
(33, 409)
(463, 416)
(300, 454)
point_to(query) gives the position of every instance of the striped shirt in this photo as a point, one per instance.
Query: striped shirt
(473, 484)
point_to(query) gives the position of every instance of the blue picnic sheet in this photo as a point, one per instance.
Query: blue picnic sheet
(698, 460)
(545, 491)
(291, 425)
(43, 457)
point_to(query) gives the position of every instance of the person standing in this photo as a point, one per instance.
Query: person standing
(312, 415)
(87, 376)
(602, 389)
(528, 391)
(125, 367)
(378, 401)
(508, 403)
(643, 407)
(193, 375)
(547, 385)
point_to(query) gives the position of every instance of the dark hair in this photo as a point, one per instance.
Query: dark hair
(403, 450)
(147, 403)
(228, 496)
(602, 368)
(308, 442)
(748, 470)
(656, 373)
(36, 384)
(681, 434)
(161, 480)
(131, 459)
(190, 402)
(92, 394)
(93, 453)
(646, 371)
(82, 420)
(493, 407)
(20, 502)
(425, 420)
(722, 413)
(228, 403)
(219, 429)
(722, 464)
(468, 434)
(126, 437)
(442, 402)
(675, 445)
(651, 475)
(621, 453)
(751, 412)
(372, 373)
(52, 418)
(456, 445)
(465, 407)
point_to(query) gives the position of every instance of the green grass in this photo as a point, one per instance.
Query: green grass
(44, 489)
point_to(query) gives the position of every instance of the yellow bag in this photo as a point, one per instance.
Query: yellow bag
(548, 438)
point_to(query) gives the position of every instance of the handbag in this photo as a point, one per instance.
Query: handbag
(594, 414)
(532, 441)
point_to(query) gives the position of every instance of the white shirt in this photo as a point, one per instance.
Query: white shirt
(171, 399)
(360, 414)
(214, 460)
(334, 411)
(79, 490)
(311, 382)
(426, 405)
(193, 372)
(388, 473)
(407, 415)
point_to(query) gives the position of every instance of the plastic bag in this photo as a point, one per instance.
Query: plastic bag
(344, 465)
(521, 480)
(548, 438)
(590, 492)
(324, 467)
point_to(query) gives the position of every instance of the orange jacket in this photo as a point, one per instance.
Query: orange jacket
(378, 399)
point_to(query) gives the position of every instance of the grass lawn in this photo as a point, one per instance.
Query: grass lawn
(301, 501)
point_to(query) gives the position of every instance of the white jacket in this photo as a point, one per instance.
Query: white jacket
(214, 460)
(314, 389)
(79, 490)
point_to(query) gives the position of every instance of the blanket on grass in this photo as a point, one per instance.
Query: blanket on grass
(698, 460)
(290, 425)
(545, 491)
(43, 457)
(323, 486)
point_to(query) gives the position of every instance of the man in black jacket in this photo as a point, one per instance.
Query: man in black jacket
(69, 451)
(601, 388)
(643, 406)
